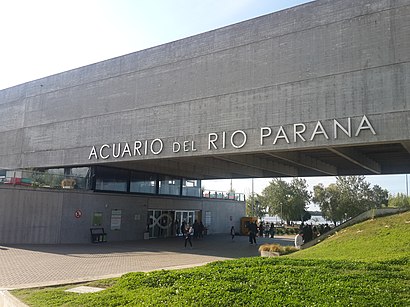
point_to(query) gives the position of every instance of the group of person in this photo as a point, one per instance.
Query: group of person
(260, 230)
(308, 232)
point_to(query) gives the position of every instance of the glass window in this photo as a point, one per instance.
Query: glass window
(81, 176)
(143, 183)
(169, 185)
(191, 187)
(111, 179)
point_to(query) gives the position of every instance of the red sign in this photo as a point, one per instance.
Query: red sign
(78, 213)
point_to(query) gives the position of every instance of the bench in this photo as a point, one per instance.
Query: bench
(98, 235)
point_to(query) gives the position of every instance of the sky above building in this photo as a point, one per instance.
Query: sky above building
(45, 37)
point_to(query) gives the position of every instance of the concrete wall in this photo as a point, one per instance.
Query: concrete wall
(28, 216)
(75, 229)
(323, 60)
(48, 216)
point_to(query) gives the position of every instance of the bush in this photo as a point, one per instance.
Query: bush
(282, 250)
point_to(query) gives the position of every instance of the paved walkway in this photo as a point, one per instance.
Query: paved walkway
(26, 266)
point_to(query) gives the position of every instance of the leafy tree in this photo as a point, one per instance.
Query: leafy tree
(379, 197)
(355, 193)
(287, 200)
(329, 200)
(350, 196)
(306, 216)
(400, 201)
(255, 206)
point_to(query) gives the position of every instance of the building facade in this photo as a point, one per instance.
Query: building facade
(316, 90)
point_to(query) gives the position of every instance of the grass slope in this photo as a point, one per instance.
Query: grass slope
(372, 269)
(380, 239)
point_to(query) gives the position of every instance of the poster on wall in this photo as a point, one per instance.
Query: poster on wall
(97, 218)
(116, 219)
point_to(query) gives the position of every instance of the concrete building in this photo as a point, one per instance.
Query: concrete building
(319, 89)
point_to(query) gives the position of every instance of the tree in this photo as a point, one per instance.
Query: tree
(379, 197)
(354, 196)
(287, 200)
(255, 206)
(329, 200)
(350, 196)
(400, 201)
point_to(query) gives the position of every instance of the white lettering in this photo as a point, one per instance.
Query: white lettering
(264, 135)
(298, 133)
(319, 130)
(161, 146)
(176, 147)
(101, 151)
(137, 147)
(126, 150)
(212, 138)
(281, 135)
(186, 146)
(193, 146)
(365, 125)
(238, 139)
(244, 137)
(116, 154)
(93, 153)
(347, 131)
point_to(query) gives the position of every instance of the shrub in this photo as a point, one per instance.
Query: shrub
(282, 250)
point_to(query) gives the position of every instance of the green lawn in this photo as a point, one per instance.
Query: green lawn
(365, 265)
(379, 239)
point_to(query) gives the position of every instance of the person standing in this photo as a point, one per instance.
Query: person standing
(299, 240)
(261, 229)
(183, 228)
(201, 229)
(196, 227)
(272, 230)
(253, 229)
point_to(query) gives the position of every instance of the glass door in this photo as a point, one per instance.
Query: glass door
(186, 217)
(161, 223)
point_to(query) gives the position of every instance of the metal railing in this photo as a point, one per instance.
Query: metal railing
(223, 195)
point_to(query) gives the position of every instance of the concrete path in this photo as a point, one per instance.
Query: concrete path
(26, 266)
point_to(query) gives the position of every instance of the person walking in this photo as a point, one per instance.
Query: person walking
(232, 233)
(189, 230)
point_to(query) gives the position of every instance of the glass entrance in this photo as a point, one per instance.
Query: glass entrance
(161, 223)
(183, 216)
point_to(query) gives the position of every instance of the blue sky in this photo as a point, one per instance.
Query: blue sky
(45, 37)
